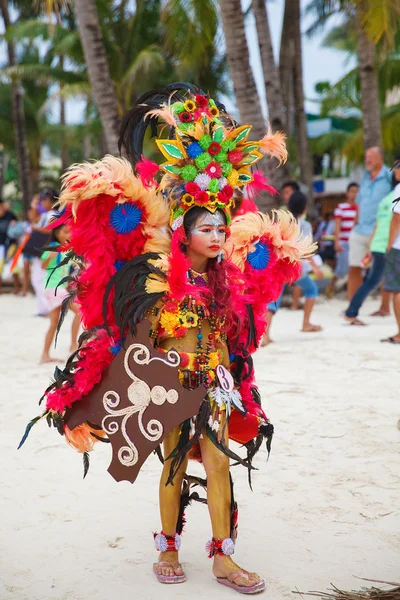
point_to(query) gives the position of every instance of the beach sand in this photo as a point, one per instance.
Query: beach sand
(325, 508)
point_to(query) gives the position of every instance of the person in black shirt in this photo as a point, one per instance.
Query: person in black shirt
(6, 217)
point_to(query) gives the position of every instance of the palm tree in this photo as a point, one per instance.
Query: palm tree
(374, 21)
(276, 106)
(243, 80)
(18, 118)
(98, 70)
(344, 98)
(292, 71)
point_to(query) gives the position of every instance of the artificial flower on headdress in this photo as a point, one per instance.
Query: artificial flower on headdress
(206, 160)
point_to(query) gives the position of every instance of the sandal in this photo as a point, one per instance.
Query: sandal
(242, 589)
(227, 547)
(355, 321)
(168, 578)
(390, 340)
(380, 313)
(168, 543)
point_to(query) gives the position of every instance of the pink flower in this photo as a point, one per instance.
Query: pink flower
(214, 170)
(197, 114)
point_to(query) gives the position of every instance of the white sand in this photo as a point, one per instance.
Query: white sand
(324, 509)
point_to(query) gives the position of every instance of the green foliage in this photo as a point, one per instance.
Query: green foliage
(149, 43)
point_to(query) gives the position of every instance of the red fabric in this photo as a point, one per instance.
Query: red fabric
(96, 356)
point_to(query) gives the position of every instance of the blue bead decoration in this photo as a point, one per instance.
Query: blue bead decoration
(260, 258)
(125, 218)
(194, 150)
(119, 264)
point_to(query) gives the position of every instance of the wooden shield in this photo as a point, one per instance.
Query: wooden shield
(137, 403)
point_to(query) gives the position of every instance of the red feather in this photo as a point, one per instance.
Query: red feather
(260, 182)
(147, 169)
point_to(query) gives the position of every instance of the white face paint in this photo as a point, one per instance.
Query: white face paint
(210, 225)
(208, 235)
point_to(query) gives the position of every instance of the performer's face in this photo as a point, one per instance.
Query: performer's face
(208, 235)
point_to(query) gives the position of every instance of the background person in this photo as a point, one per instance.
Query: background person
(298, 206)
(376, 253)
(7, 217)
(56, 292)
(375, 185)
(287, 190)
(47, 199)
(345, 217)
(392, 267)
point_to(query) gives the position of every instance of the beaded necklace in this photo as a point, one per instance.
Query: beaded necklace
(202, 361)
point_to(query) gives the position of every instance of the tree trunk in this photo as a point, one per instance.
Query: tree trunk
(286, 57)
(243, 81)
(300, 119)
(3, 169)
(18, 116)
(64, 144)
(372, 129)
(63, 122)
(276, 108)
(98, 71)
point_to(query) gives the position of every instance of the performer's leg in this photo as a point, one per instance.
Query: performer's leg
(216, 465)
(170, 496)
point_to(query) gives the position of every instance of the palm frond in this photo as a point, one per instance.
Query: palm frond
(42, 74)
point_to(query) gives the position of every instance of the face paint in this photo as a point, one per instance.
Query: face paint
(208, 235)
(212, 225)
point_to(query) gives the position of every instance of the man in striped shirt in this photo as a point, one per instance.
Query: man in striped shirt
(345, 217)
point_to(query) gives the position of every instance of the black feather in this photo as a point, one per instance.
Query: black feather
(28, 428)
(101, 439)
(135, 123)
(186, 442)
(252, 332)
(131, 300)
(85, 464)
(159, 454)
(65, 306)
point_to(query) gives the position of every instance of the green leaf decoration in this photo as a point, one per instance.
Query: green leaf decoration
(243, 134)
(250, 159)
(250, 148)
(171, 149)
(171, 169)
(243, 178)
(218, 135)
(184, 127)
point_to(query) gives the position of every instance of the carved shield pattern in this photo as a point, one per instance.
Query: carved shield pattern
(137, 403)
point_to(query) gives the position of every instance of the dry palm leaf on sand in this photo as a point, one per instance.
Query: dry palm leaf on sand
(372, 593)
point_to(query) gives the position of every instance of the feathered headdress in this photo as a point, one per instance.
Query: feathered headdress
(208, 155)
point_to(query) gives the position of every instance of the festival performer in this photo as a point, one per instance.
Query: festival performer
(167, 279)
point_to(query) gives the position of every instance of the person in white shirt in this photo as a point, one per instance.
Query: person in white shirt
(392, 266)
